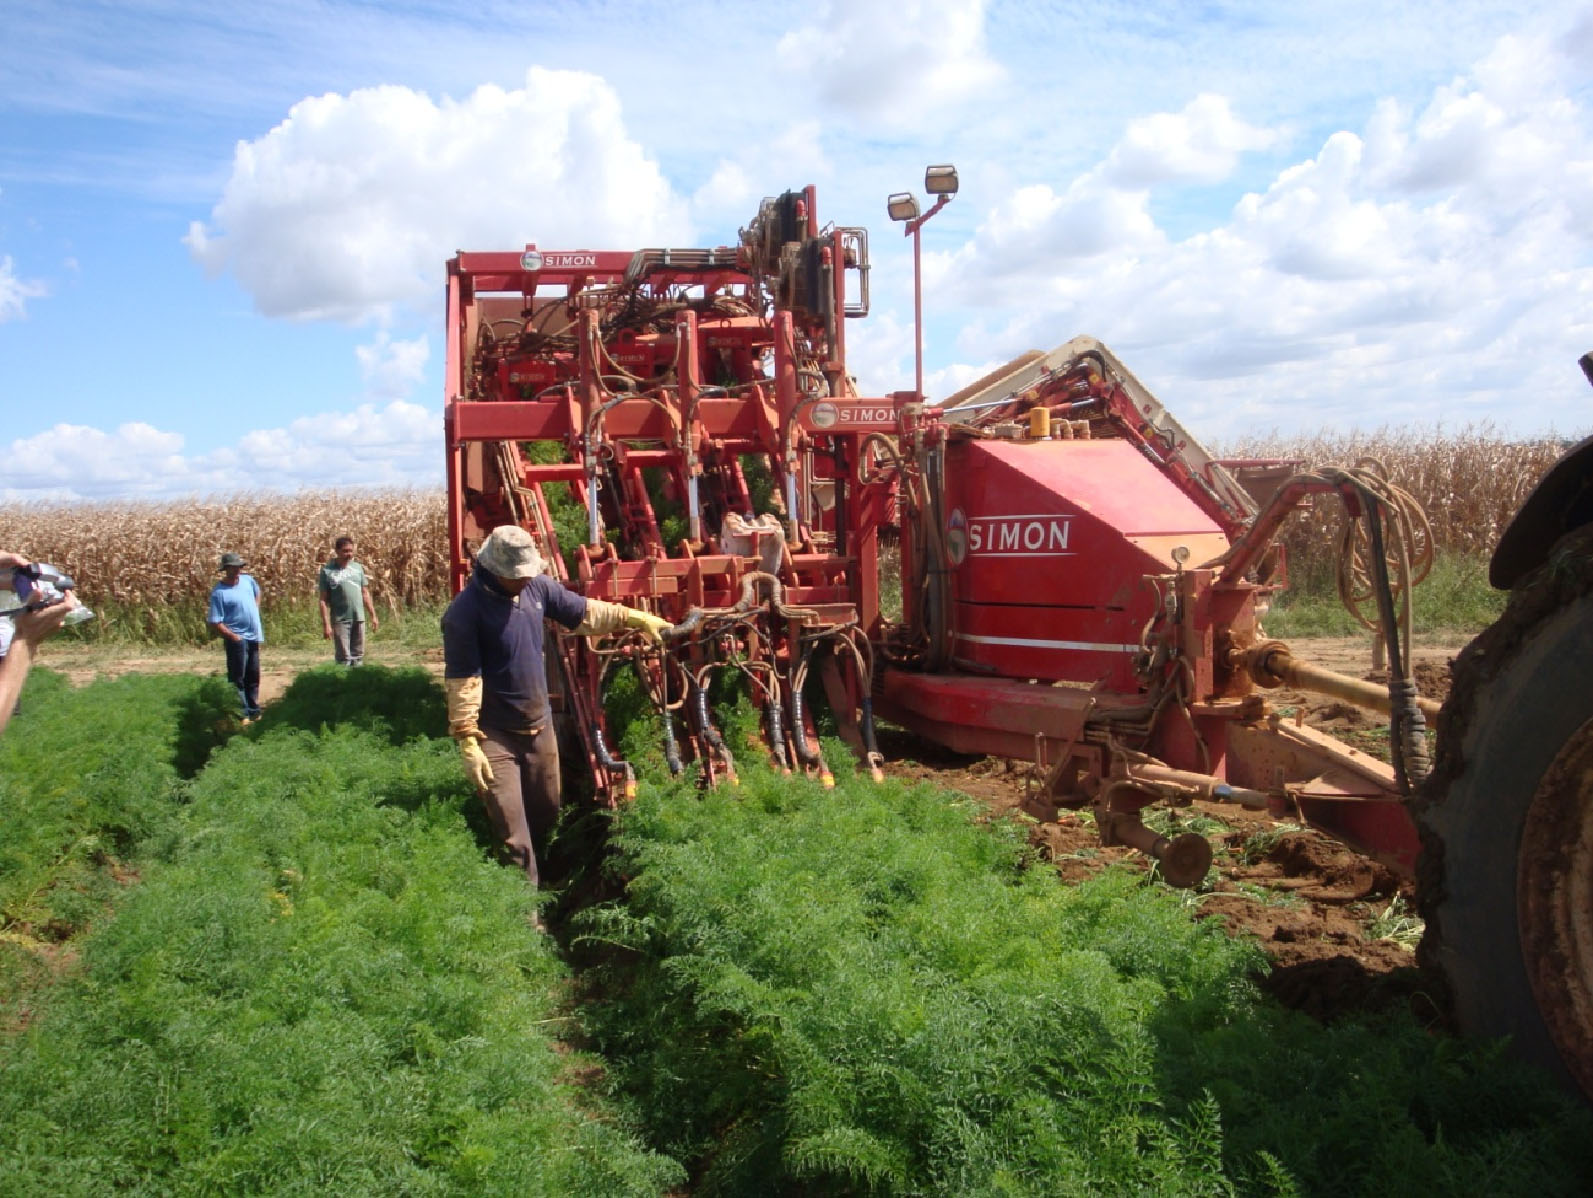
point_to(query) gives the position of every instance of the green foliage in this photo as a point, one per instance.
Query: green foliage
(399, 704)
(866, 988)
(85, 777)
(320, 988)
(869, 990)
(760, 484)
(207, 717)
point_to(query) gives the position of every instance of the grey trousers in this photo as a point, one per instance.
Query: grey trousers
(348, 641)
(523, 800)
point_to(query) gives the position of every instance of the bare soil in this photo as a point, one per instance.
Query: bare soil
(1339, 929)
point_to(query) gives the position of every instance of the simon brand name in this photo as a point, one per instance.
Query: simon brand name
(1030, 536)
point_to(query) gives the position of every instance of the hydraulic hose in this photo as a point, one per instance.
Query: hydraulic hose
(695, 617)
(776, 721)
(1407, 730)
(660, 701)
(697, 701)
(609, 762)
(870, 745)
(806, 753)
(600, 748)
(671, 749)
(937, 580)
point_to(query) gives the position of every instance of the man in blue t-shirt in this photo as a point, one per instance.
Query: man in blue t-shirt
(235, 615)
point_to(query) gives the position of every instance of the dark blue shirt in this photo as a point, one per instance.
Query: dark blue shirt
(488, 632)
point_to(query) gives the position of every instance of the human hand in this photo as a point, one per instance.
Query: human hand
(326, 632)
(375, 623)
(477, 768)
(13, 560)
(35, 625)
(645, 621)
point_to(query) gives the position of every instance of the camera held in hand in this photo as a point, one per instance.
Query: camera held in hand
(41, 585)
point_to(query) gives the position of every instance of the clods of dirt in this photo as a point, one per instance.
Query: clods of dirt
(1328, 987)
(1432, 680)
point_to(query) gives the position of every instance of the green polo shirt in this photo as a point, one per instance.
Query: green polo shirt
(341, 587)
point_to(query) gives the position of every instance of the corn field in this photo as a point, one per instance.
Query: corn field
(150, 555)
(1470, 482)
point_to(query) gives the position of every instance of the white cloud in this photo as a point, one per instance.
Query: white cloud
(369, 446)
(392, 369)
(352, 203)
(15, 292)
(398, 444)
(879, 353)
(731, 194)
(1036, 237)
(881, 356)
(75, 461)
(892, 61)
(1436, 265)
(1201, 144)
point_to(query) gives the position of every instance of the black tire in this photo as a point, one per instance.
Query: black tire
(1507, 825)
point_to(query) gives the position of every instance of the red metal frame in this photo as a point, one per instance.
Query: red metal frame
(1080, 581)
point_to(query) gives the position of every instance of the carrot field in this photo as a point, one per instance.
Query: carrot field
(282, 958)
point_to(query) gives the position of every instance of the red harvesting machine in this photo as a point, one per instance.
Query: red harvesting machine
(1080, 583)
(1081, 586)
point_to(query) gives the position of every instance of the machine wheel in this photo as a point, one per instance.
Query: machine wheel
(1507, 824)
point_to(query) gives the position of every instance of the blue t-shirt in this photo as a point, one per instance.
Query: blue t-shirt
(237, 608)
(488, 633)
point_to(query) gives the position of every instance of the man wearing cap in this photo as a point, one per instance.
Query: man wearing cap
(235, 616)
(496, 680)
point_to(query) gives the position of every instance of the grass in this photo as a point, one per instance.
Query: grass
(1455, 597)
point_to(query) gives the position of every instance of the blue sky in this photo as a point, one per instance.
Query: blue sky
(223, 227)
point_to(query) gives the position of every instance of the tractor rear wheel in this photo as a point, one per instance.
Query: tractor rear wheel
(1507, 824)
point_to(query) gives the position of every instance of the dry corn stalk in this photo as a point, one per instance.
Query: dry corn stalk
(162, 553)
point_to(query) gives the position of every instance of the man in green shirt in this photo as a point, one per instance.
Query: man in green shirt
(345, 600)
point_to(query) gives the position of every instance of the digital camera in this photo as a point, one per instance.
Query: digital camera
(38, 586)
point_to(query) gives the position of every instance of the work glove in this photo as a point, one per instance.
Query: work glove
(603, 617)
(646, 622)
(464, 707)
(477, 768)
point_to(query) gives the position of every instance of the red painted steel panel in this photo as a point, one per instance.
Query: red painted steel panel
(1052, 643)
(1051, 542)
(1055, 518)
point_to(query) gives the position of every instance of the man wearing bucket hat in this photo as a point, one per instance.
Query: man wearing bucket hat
(235, 616)
(497, 684)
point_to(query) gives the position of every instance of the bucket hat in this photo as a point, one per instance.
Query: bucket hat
(229, 559)
(510, 553)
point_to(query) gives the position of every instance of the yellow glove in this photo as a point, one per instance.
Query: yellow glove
(477, 768)
(602, 618)
(464, 705)
(645, 621)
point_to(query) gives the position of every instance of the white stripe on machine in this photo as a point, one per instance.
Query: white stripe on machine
(1025, 643)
